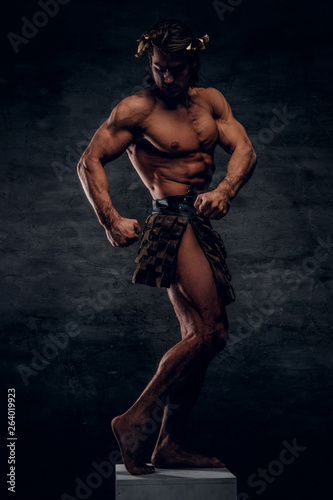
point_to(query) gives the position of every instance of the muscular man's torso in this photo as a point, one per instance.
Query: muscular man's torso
(174, 149)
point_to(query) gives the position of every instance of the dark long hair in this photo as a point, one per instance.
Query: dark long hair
(172, 37)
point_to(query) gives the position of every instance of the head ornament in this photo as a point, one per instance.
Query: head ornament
(147, 39)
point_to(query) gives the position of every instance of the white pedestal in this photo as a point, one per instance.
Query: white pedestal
(176, 484)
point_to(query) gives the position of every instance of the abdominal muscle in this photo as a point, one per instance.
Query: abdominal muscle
(168, 175)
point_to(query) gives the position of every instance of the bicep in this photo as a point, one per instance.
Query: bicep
(124, 125)
(232, 134)
(109, 142)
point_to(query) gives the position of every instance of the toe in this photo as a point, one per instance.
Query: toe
(139, 470)
(146, 468)
(150, 469)
(218, 463)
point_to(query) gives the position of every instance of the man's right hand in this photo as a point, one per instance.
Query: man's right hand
(123, 232)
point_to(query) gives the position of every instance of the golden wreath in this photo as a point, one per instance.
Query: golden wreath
(145, 41)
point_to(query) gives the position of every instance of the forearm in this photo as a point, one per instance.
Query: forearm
(240, 168)
(96, 188)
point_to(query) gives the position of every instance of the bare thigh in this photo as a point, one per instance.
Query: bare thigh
(193, 293)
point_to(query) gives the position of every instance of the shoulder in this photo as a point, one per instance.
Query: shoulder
(216, 100)
(133, 110)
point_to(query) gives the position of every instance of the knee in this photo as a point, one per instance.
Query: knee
(216, 338)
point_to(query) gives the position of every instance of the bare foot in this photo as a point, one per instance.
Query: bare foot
(172, 456)
(129, 440)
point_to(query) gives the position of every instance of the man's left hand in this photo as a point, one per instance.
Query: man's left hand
(214, 204)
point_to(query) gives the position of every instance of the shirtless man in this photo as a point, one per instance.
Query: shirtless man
(170, 131)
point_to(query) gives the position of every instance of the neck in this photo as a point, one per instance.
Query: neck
(173, 102)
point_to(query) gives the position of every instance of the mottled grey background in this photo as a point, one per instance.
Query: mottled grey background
(60, 275)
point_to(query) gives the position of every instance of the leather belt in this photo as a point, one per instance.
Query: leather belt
(176, 205)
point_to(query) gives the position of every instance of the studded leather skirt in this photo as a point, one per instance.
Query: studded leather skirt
(161, 237)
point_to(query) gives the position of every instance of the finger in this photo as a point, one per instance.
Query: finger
(222, 213)
(205, 207)
(209, 209)
(130, 241)
(198, 201)
(210, 214)
(214, 214)
(134, 234)
(137, 228)
(127, 243)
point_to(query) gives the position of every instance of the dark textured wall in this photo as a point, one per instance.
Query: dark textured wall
(63, 283)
